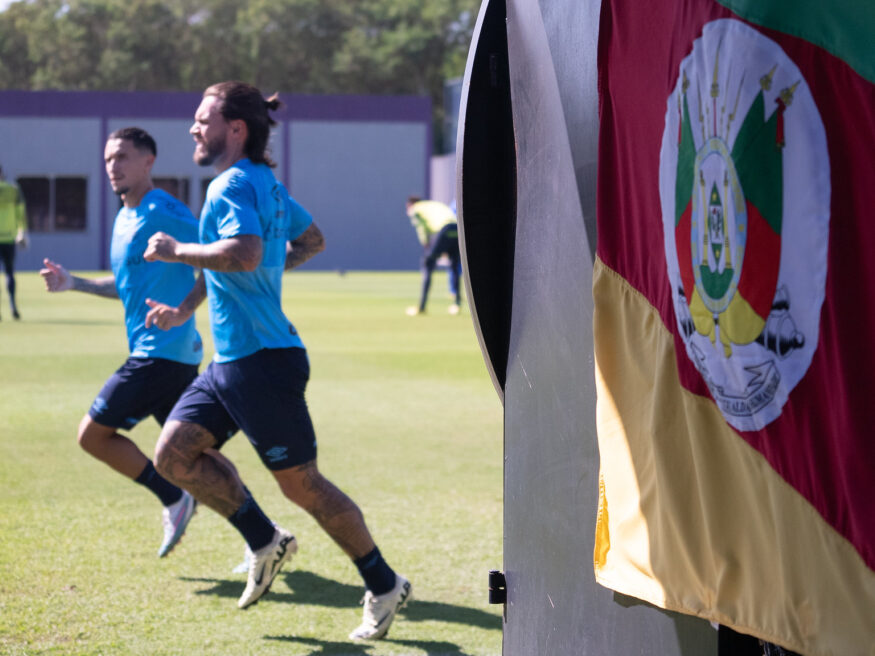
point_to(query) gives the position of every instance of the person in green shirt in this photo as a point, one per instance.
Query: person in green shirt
(438, 232)
(13, 232)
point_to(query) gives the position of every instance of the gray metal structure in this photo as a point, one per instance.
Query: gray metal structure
(526, 178)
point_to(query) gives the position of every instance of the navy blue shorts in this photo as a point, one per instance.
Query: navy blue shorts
(262, 395)
(139, 388)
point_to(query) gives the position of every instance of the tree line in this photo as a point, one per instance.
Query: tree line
(297, 46)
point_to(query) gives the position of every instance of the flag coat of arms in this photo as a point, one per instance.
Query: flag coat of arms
(733, 318)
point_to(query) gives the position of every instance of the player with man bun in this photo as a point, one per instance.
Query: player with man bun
(250, 232)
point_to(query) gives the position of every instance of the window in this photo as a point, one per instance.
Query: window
(176, 187)
(55, 203)
(70, 197)
(37, 201)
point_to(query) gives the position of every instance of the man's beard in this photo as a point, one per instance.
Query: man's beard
(213, 150)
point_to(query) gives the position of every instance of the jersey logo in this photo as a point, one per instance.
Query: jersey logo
(745, 189)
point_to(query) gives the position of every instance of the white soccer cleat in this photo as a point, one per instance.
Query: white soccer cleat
(454, 309)
(381, 610)
(175, 519)
(265, 564)
(243, 567)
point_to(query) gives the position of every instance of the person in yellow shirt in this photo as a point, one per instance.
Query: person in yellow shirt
(438, 232)
(13, 232)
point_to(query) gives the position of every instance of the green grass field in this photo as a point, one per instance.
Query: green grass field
(409, 426)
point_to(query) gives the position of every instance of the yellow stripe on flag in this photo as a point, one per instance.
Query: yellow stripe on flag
(693, 519)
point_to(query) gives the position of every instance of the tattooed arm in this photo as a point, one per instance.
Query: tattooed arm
(240, 253)
(58, 279)
(310, 243)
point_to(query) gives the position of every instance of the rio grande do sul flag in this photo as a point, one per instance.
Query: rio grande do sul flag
(734, 318)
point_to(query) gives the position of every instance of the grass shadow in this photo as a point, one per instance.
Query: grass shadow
(423, 611)
(325, 646)
(221, 587)
(320, 647)
(312, 589)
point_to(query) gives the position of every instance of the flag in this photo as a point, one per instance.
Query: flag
(733, 322)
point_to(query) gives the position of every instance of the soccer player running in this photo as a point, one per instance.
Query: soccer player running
(161, 363)
(250, 231)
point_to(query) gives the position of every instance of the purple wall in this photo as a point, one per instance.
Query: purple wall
(141, 104)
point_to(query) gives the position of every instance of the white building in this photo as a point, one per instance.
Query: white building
(352, 161)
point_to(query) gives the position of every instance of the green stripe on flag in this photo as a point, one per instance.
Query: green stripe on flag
(758, 160)
(844, 28)
(685, 182)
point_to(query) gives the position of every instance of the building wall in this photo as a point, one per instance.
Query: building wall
(350, 160)
(35, 148)
(443, 178)
(340, 173)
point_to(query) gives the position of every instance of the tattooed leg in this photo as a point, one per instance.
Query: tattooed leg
(335, 512)
(184, 456)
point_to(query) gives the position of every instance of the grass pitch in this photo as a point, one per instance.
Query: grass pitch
(408, 425)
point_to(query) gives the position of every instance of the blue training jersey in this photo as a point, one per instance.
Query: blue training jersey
(245, 307)
(136, 280)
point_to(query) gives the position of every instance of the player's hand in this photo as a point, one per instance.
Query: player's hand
(163, 316)
(57, 278)
(21, 238)
(162, 247)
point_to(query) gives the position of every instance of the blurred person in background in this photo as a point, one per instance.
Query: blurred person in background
(438, 232)
(13, 232)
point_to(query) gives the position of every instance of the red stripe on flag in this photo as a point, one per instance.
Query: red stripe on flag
(685, 256)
